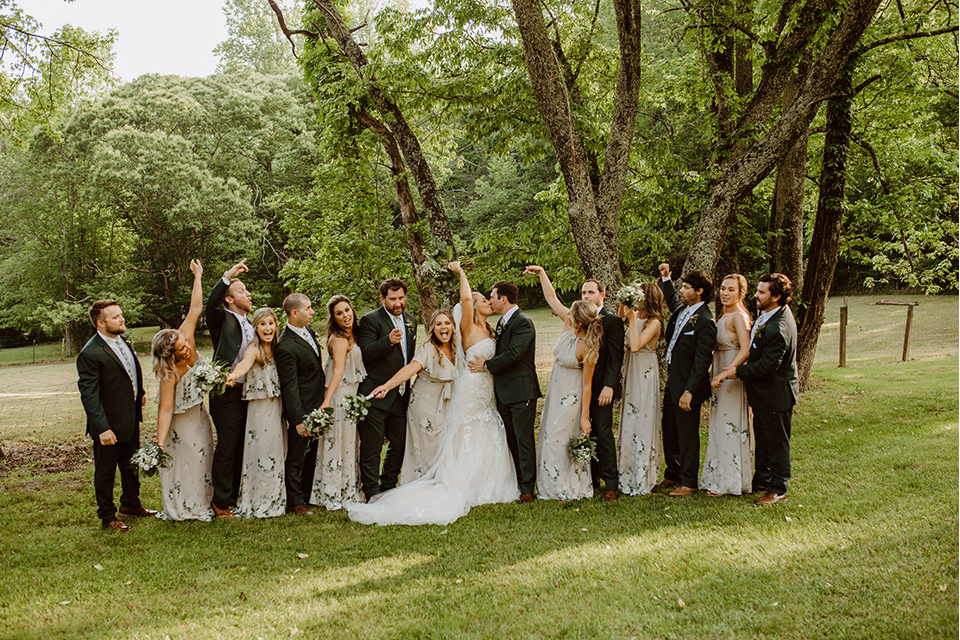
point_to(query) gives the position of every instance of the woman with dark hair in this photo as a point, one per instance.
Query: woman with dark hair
(184, 429)
(435, 368)
(638, 446)
(336, 480)
(566, 405)
(727, 464)
(262, 493)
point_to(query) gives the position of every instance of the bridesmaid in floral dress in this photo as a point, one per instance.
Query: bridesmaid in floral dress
(262, 493)
(336, 480)
(638, 446)
(565, 416)
(183, 425)
(727, 465)
(435, 366)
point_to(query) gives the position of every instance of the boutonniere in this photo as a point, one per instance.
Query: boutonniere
(759, 333)
(693, 320)
(409, 324)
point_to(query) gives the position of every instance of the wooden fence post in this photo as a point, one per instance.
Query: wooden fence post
(843, 333)
(906, 332)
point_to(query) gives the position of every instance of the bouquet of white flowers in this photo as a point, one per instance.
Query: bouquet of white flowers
(211, 376)
(355, 408)
(150, 458)
(318, 422)
(631, 295)
(582, 450)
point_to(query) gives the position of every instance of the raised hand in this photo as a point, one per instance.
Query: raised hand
(237, 269)
(196, 268)
(533, 269)
(456, 267)
(664, 270)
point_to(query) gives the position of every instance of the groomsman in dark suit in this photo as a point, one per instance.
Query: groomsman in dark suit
(300, 368)
(606, 388)
(770, 376)
(226, 314)
(111, 389)
(691, 336)
(387, 337)
(515, 382)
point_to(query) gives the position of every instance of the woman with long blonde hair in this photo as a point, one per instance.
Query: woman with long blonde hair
(727, 464)
(638, 445)
(262, 493)
(566, 405)
(184, 429)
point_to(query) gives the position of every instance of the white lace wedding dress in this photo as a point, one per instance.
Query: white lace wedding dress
(474, 465)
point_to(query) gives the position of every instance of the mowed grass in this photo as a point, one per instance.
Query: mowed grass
(865, 547)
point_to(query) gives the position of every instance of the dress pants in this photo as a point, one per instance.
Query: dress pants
(771, 430)
(518, 420)
(601, 432)
(106, 460)
(379, 423)
(229, 413)
(293, 469)
(681, 441)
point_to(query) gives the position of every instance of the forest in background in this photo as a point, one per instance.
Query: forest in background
(342, 143)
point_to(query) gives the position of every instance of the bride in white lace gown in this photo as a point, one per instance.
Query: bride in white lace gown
(474, 465)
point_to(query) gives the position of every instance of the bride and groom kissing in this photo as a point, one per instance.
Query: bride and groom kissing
(487, 452)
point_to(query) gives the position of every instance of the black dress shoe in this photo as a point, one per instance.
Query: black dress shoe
(137, 512)
(116, 525)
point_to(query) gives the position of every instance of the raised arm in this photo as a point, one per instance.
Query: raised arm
(398, 378)
(668, 289)
(189, 326)
(549, 292)
(466, 304)
(244, 366)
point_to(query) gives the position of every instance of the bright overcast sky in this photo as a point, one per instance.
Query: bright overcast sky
(155, 36)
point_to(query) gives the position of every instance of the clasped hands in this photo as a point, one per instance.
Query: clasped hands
(728, 373)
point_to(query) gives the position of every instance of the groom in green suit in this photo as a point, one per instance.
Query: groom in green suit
(770, 376)
(111, 389)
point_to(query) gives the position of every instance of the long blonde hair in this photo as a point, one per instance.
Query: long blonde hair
(258, 316)
(584, 314)
(163, 348)
(742, 285)
(436, 341)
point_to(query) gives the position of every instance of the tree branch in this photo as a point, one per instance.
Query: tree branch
(289, 33)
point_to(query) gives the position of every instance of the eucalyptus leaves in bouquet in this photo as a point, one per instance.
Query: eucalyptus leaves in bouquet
(355, 408)
(318, 422)
(582, 450)
(211, 376)
(149, 459)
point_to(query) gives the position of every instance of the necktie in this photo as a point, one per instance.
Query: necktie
(681, 320)
(127, 358)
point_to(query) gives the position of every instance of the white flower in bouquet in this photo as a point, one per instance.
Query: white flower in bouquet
(355, 408)
(211, 376)
(318, 422)
(150, 458)
(631, 295)
(582, 450)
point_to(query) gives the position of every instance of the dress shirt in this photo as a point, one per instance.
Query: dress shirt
(122, 349)
(303, 333)
(678, 328)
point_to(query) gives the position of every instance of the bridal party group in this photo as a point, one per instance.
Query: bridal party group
(457, 414)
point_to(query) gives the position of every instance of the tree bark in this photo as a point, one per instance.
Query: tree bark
(761, 157)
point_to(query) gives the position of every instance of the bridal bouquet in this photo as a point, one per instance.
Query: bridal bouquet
(318, 422)
(211, 376)
(582, 450)
(631, 295)
(355, 408)
(150, 458)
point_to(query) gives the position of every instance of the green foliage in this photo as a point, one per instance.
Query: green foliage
(254, 39)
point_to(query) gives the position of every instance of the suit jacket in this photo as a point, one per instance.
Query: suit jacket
(513, 368)
(224, 328)
(693, 351)
(301, 375)
(381, 358)
(770, 373)
(610, 361)
(106, 392)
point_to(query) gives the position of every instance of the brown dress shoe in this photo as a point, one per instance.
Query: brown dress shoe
(137, 512)
(609, 495)
(525, 498)
(300, 510)
(222, 513)
(771, 498)
(666, 483)
(682, 491)
(116, 525)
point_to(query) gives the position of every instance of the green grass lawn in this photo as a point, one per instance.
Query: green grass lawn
(865, 547)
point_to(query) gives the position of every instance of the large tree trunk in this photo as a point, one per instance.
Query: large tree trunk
(825, 244)
(761, 157)
(593, 207)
